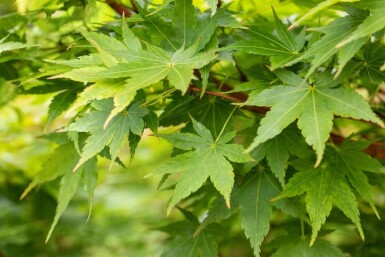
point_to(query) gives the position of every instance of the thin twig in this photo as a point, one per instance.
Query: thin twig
(120, 8)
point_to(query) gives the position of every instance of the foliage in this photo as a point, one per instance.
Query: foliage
(283, 115)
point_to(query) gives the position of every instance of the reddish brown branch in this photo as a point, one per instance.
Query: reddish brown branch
(120, 8)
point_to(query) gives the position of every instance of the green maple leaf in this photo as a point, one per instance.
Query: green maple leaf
(60, 103)
(141, 69)
(277, 152)
(207, 160)
(211, 111)
(293, 246)
(353, 162)
(62, 159)
(313, 105)
(68, 186)
(327, 184)
(186, 243)
(185, 21)
(282, 48)
(373, 59)
(130, 120)
(9, 46)
(372, 24)
(256, 208)
(251, 198)
(335, 32)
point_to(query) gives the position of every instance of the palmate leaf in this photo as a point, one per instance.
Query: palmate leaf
(130, 120)
(327, 184)
(313, 105)
(282, 48)
(373, 59)
(209, 159)
(142, 68)
(293, 246)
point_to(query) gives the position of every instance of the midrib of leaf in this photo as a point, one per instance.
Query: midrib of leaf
(222, 179)
(160, 31)
(364, 114)
(260, 47)
(158, 54)
(68, 190)
(319, 61)
(278, 42)
(257, 205)
(368, 67)
(277, 156)
(320, 143)
(209, 24)
(147, 58)
(191, 177)
(290, 200)
(180, 75)
(362, 190)
(330, 188)
(303, 181)
(82, 160)
(366, 28)
(285, 60)
(280, 118)
(193, 248)
(319, 207)
(184, 23)
(279, 95)
(119, 136)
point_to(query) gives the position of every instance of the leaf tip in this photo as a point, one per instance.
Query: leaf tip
(292, 26)
(77, 167)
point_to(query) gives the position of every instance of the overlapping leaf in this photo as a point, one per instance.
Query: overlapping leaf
(130, 120)
(335, 32)
(140, 68)
(9, 46)
(186, 243)
(282, 48)
(210, 111)
(327, 184)
(313, 105)
(209, 159)
(293, 246)
(278, 149)
(68, 186)
(372, 24)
